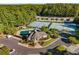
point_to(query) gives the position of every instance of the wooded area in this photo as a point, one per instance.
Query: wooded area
(13, 15)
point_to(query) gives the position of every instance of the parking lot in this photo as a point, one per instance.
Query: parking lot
(20, 50)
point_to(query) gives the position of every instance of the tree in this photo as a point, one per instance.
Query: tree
(48, 36)
(11, 15)
(54, 32)
(45, 29)
(77, 32)
(49, 32)
(55, 35)
(73, 40)
(61, 48)
(76, 20)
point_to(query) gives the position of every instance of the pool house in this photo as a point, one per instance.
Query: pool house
(55, 19)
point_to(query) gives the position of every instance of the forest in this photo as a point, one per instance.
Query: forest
(13, 15)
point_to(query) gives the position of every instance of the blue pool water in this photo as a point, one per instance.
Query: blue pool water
(26, 32)
(64, 26)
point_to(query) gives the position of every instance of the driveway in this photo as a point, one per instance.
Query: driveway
(20, 50)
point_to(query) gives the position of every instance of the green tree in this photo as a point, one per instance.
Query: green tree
(61, 48)
(77, 32)
(45, 29)
(54, 32)
(76, 20)
(73, 40)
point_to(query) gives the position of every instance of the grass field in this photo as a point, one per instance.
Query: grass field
(47, 43)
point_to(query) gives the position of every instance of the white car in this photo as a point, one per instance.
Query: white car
(9, 36)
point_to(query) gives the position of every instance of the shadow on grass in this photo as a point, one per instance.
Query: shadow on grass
(65, 40)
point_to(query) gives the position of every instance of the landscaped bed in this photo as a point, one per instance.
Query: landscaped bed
(4, 50)
(47, 43)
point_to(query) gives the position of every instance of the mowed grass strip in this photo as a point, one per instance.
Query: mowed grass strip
(4, 51)
(47, 43)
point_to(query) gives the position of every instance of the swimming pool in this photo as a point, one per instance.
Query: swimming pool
(64, 26)
(25, 32)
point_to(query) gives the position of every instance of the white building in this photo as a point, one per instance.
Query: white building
(57, 19)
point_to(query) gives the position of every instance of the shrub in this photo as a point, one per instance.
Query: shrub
(73, 40)
(31, 43)
(77, 32)
(48, 36)
(45, 29)
(61, 48)
(41, 42)
(49, 53)
(56, 35)
(4, 50)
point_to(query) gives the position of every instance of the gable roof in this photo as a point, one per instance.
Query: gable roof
(37, 35)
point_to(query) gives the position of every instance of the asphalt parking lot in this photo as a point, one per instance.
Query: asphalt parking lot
(20, 50)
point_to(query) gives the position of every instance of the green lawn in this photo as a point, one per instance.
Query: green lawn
(4, 50)
(47, 43)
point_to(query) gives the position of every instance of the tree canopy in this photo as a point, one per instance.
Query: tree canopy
(12, 15)
(73, 40)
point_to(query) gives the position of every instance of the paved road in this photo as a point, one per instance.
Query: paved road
(20, 50)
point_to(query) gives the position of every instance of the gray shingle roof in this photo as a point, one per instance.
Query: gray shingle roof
(37, 35)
